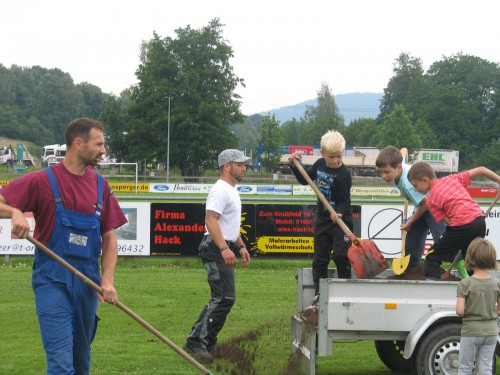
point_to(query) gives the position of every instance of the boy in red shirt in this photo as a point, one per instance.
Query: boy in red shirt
(449, 201)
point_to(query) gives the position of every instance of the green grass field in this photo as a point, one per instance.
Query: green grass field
(169, 294)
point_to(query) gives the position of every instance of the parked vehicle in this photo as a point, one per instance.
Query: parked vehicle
(413, 322)
(19, 156)
(361, 160)
(52, 154)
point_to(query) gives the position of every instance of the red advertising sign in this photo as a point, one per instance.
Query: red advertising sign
(483, 192)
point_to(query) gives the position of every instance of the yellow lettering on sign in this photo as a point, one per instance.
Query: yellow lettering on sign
(142, 187)
(276, 244)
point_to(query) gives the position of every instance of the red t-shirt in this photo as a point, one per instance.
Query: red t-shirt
(448, 197)
(32, 192)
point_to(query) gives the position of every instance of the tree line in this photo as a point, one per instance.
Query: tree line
(184, 107)
(453, 105)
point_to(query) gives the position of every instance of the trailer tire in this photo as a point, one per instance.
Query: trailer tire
(391, 354)
(437, 351)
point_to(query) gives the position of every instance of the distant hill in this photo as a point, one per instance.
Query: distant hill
(352, 106)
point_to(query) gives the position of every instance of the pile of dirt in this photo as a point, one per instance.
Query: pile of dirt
(418, 273)
(309, 319)
(238, 354)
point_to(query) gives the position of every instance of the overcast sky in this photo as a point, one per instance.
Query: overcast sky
(283, 49)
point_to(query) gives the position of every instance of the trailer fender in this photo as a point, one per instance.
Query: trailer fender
(423, 324)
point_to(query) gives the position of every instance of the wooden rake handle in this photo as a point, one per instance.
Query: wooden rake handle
(323, 200)
(122, 307)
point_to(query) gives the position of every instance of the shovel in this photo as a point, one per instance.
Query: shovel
(400, 265)
(122, 307)
(366, 259)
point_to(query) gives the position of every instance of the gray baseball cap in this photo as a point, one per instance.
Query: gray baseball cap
(229, 155)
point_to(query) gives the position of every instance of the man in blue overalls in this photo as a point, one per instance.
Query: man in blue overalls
(76, 216)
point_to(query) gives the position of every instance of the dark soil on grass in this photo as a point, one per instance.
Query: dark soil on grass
(237, 355)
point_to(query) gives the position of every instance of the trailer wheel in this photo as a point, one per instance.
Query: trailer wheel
(391, 354)
(437, 352)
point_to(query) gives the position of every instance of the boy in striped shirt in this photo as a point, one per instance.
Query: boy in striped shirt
(449, 201)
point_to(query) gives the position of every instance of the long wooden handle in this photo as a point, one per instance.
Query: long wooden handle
(323, 200)
(403, 233)
(492, 204)
(122, 307)
(453, 264)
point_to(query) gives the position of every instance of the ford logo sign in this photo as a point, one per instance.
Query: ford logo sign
(161, 187)
(244, 189)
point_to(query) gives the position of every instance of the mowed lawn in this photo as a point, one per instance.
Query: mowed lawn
(169, 294)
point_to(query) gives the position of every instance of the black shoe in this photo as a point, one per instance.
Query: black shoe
(212, 350)
(200, 353)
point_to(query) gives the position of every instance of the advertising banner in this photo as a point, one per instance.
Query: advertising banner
(133, 237)
(10, 244)
(178, 228)
(289, 229)
(129, 187)
(275, 189)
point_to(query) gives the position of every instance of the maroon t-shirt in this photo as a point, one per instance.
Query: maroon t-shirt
(32, 192)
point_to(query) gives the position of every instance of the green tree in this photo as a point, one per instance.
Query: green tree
(318, 120)
(270, 140)
(404, 86)
(362, 133)
(426, 134)
(397, 130)
(453, 105)
(193, 70)
(247, 135)
(292, 132)
(490, 156)
(114, 117)
(92, 99)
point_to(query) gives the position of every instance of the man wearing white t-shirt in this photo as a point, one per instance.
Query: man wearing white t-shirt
(217, 252)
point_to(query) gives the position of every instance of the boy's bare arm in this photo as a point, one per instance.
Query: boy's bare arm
(404, 152)
(420, 211)
(483, 171)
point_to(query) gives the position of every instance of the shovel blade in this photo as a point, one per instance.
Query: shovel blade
(399, 265)
(366, 259)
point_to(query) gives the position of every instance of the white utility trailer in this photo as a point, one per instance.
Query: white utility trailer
(413, 322)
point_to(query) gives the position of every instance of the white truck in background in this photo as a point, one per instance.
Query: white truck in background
(361, 160)
(18, 156)
(53, 154)
(444, 161)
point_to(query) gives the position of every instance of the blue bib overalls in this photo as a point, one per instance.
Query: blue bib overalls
(65, 305)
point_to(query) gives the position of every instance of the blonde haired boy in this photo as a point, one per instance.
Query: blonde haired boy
(333, 179)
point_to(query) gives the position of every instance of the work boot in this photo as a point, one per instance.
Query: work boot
(200, 353)
(212, 350)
